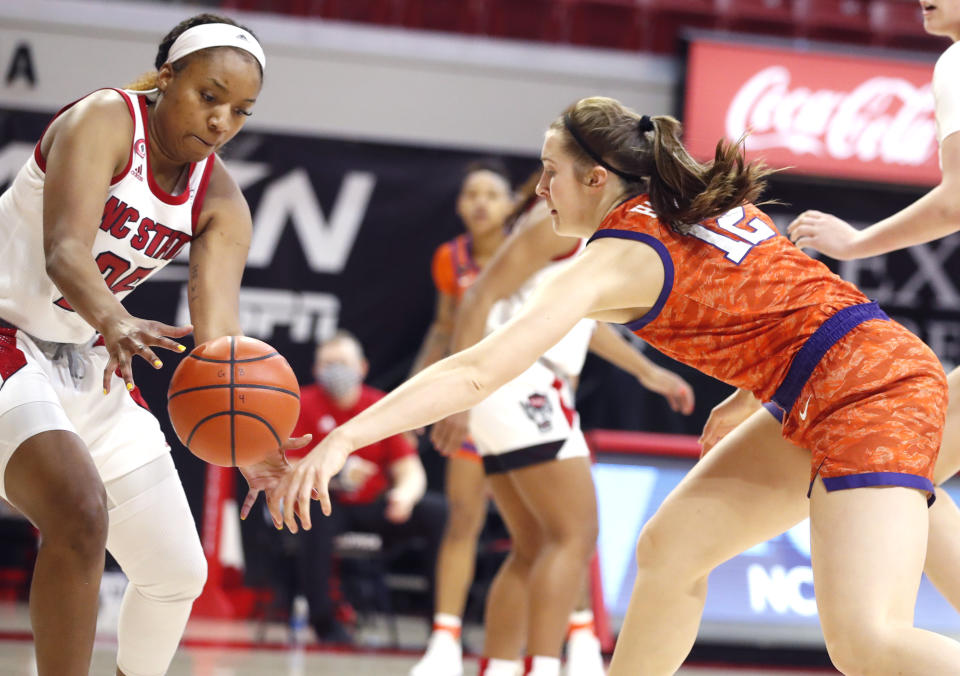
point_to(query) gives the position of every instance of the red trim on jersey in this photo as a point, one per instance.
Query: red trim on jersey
(42, 161)
(12, 358)
(568, 413)
(201, 193)
(157, 191)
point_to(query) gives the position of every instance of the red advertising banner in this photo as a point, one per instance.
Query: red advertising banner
(820, 113)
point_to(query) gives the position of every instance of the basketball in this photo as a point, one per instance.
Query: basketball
(233, 401)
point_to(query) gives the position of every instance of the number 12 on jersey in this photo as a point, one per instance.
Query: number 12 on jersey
(752, 233)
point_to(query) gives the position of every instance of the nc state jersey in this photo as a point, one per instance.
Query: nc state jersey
(738, 298)
(142, 228)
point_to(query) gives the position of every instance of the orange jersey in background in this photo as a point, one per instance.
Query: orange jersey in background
(454, 268)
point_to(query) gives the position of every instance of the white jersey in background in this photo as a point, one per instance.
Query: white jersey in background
(946, 92)
(141, 230)
(567, 356)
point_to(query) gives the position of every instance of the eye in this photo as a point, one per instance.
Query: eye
(241, 111)
(208, 97)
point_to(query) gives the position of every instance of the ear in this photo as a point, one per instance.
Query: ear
(597, 177)
(164, 77)
(364, 369)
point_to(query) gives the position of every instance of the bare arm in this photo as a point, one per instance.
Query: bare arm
(611, 274)
(530, 247)
(608, 344)
(935, 215)
(436, 344)
(409, 485)
(85, 148)
(218, 255)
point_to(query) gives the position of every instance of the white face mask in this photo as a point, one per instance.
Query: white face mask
(338, 380)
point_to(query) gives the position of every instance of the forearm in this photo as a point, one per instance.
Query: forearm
(410, 482)
(610, 346)
(471, 320)
(434, 348)
(71, 267)
(444, 388)
(935, 215)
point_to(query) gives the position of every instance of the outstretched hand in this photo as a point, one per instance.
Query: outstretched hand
(266, 474)
(824, 232)
(309, 478)
(671, 387)
(133, 337)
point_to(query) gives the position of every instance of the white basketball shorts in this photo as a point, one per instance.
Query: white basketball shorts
(56, 386)
(529, 420)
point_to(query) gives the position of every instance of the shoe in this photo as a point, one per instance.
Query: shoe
(583, 655)
(331, 632)
(443, 657)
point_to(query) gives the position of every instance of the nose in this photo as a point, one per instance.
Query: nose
(541, 189)
(216, 121)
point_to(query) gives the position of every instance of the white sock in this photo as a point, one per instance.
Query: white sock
(581, 620)
(497, 667)
(544, 666)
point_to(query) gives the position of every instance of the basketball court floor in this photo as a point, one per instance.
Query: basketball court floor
(243, 648)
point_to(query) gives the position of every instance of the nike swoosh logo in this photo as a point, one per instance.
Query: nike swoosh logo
(803, 413)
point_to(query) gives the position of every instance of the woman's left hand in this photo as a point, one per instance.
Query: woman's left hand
(266, 474)
(308, 479)
(672, 387)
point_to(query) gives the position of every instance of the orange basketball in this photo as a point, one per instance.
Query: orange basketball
(233, 401)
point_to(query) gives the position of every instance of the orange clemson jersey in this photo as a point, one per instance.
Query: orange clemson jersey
(454, 268)
(739, 300)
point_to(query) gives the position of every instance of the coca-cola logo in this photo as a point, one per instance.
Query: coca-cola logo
(883, 118)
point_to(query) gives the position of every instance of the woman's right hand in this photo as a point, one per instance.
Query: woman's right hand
(826, 233)
(131, 336)
(725, 416)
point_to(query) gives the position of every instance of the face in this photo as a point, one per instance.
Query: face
(206, 103)
(942, 17)
(342, 353)
(570, 200)
(484, 202)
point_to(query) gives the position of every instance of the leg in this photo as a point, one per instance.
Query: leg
(467, 505)
(868, 548)
(748, 488)
(505, 617)
(52, 480)
(314, 557)
(154, 539)
(561, 496)
(943, 544)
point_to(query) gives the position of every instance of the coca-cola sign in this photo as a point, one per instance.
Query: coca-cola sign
(814, 112)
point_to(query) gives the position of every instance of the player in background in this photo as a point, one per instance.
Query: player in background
(935, 215)
(119, 182)
(483, 204)
(680, 255)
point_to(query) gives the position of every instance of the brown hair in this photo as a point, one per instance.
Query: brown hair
(149, 80)
(648, 156)
(526, 197)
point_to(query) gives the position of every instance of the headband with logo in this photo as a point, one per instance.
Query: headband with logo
(209, 35)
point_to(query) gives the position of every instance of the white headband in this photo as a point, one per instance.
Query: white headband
(209, 35)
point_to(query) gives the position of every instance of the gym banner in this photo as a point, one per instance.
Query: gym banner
(853, 116)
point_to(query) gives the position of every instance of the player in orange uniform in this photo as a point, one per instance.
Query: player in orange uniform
(680, 255)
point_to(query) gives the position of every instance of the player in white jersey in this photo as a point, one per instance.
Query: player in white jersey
(935, 215)
(119, 182)
(549, 507)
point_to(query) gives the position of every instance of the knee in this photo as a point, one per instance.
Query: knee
(80, 524)
(652, 545)
(179, 576)
(578, 537)
(857, 648)
(465, 517)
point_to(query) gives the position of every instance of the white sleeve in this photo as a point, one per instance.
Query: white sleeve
(946, 92)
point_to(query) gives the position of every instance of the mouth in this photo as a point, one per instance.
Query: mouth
(209, 145)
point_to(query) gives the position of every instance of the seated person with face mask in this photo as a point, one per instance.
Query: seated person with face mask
(380, 490)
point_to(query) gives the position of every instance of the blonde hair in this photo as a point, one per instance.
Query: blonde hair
(648, 156)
